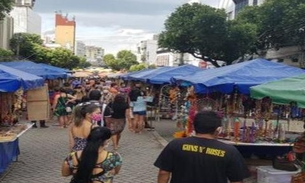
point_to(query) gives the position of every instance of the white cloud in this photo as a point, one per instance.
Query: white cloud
(113, 30)
(112, 34)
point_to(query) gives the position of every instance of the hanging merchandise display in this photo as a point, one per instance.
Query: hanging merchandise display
(244, 120)
(171, 100)
(10, 107)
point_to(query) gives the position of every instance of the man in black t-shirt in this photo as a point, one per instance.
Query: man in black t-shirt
(202, 158)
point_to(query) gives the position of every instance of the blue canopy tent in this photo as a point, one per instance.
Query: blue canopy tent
(36, 69)
(164, 76)
(55, 68)
(12, 79)
(239, 76)
(128, 75)
(142, 76)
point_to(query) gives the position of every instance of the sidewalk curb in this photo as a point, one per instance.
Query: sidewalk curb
(160, 139)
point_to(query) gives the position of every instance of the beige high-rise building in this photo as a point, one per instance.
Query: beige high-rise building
(65, 31)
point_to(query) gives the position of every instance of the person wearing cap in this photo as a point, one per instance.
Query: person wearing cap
(201, 158)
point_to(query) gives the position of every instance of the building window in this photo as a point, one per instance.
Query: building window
(239, 5)
(254, 2)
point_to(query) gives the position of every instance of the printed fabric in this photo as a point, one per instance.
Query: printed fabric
(60, 109)
(112, 161)
(79, 144)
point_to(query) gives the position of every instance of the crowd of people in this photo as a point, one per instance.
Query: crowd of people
(96, 114)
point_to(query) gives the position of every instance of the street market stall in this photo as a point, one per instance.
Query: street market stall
(141, 76)
(37, 69)
(283, 91)
(239, 76)
(288, 92)
(164, 76)
(127, 77)
(12, 84)
(170, 97)
(226, 90)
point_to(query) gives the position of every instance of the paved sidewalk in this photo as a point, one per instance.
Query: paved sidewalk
(43, 150)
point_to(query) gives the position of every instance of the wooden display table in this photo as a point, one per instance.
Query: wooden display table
(9, 148)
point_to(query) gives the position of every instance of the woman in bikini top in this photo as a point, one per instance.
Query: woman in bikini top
(94, 164)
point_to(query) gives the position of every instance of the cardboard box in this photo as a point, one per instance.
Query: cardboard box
(38, 105)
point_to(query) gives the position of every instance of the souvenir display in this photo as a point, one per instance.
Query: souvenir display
(171, 99)
(10, 106)
(244, 119)
(10, 132)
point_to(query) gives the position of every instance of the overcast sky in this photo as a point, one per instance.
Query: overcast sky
(111, 24)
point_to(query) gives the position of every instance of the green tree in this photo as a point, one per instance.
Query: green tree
(279, 22)
(6, 55)
(23, 45)
(153, 66)
(126, 59)
(5, 7)
(137, 67)
(83, 63)
(241, 40)
(42, 54)
(197, 29)
(64, 58)
(111, 62)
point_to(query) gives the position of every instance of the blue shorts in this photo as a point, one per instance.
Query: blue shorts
(141, 113)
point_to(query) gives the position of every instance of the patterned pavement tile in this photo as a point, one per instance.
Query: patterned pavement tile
(43, 150)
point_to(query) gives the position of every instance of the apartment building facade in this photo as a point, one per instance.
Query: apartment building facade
(26, 20)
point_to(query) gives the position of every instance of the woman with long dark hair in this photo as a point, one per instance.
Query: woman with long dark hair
(83, 121)
(94, 164)
(116, 123)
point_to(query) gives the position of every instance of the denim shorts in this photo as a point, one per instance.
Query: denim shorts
(141, 113)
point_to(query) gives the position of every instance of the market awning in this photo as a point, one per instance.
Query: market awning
(36, 69)
(283, 91)
(239, 76)
(127, 76)
(164, 76)
(12, 79)
(58, 69)
(142, 76)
